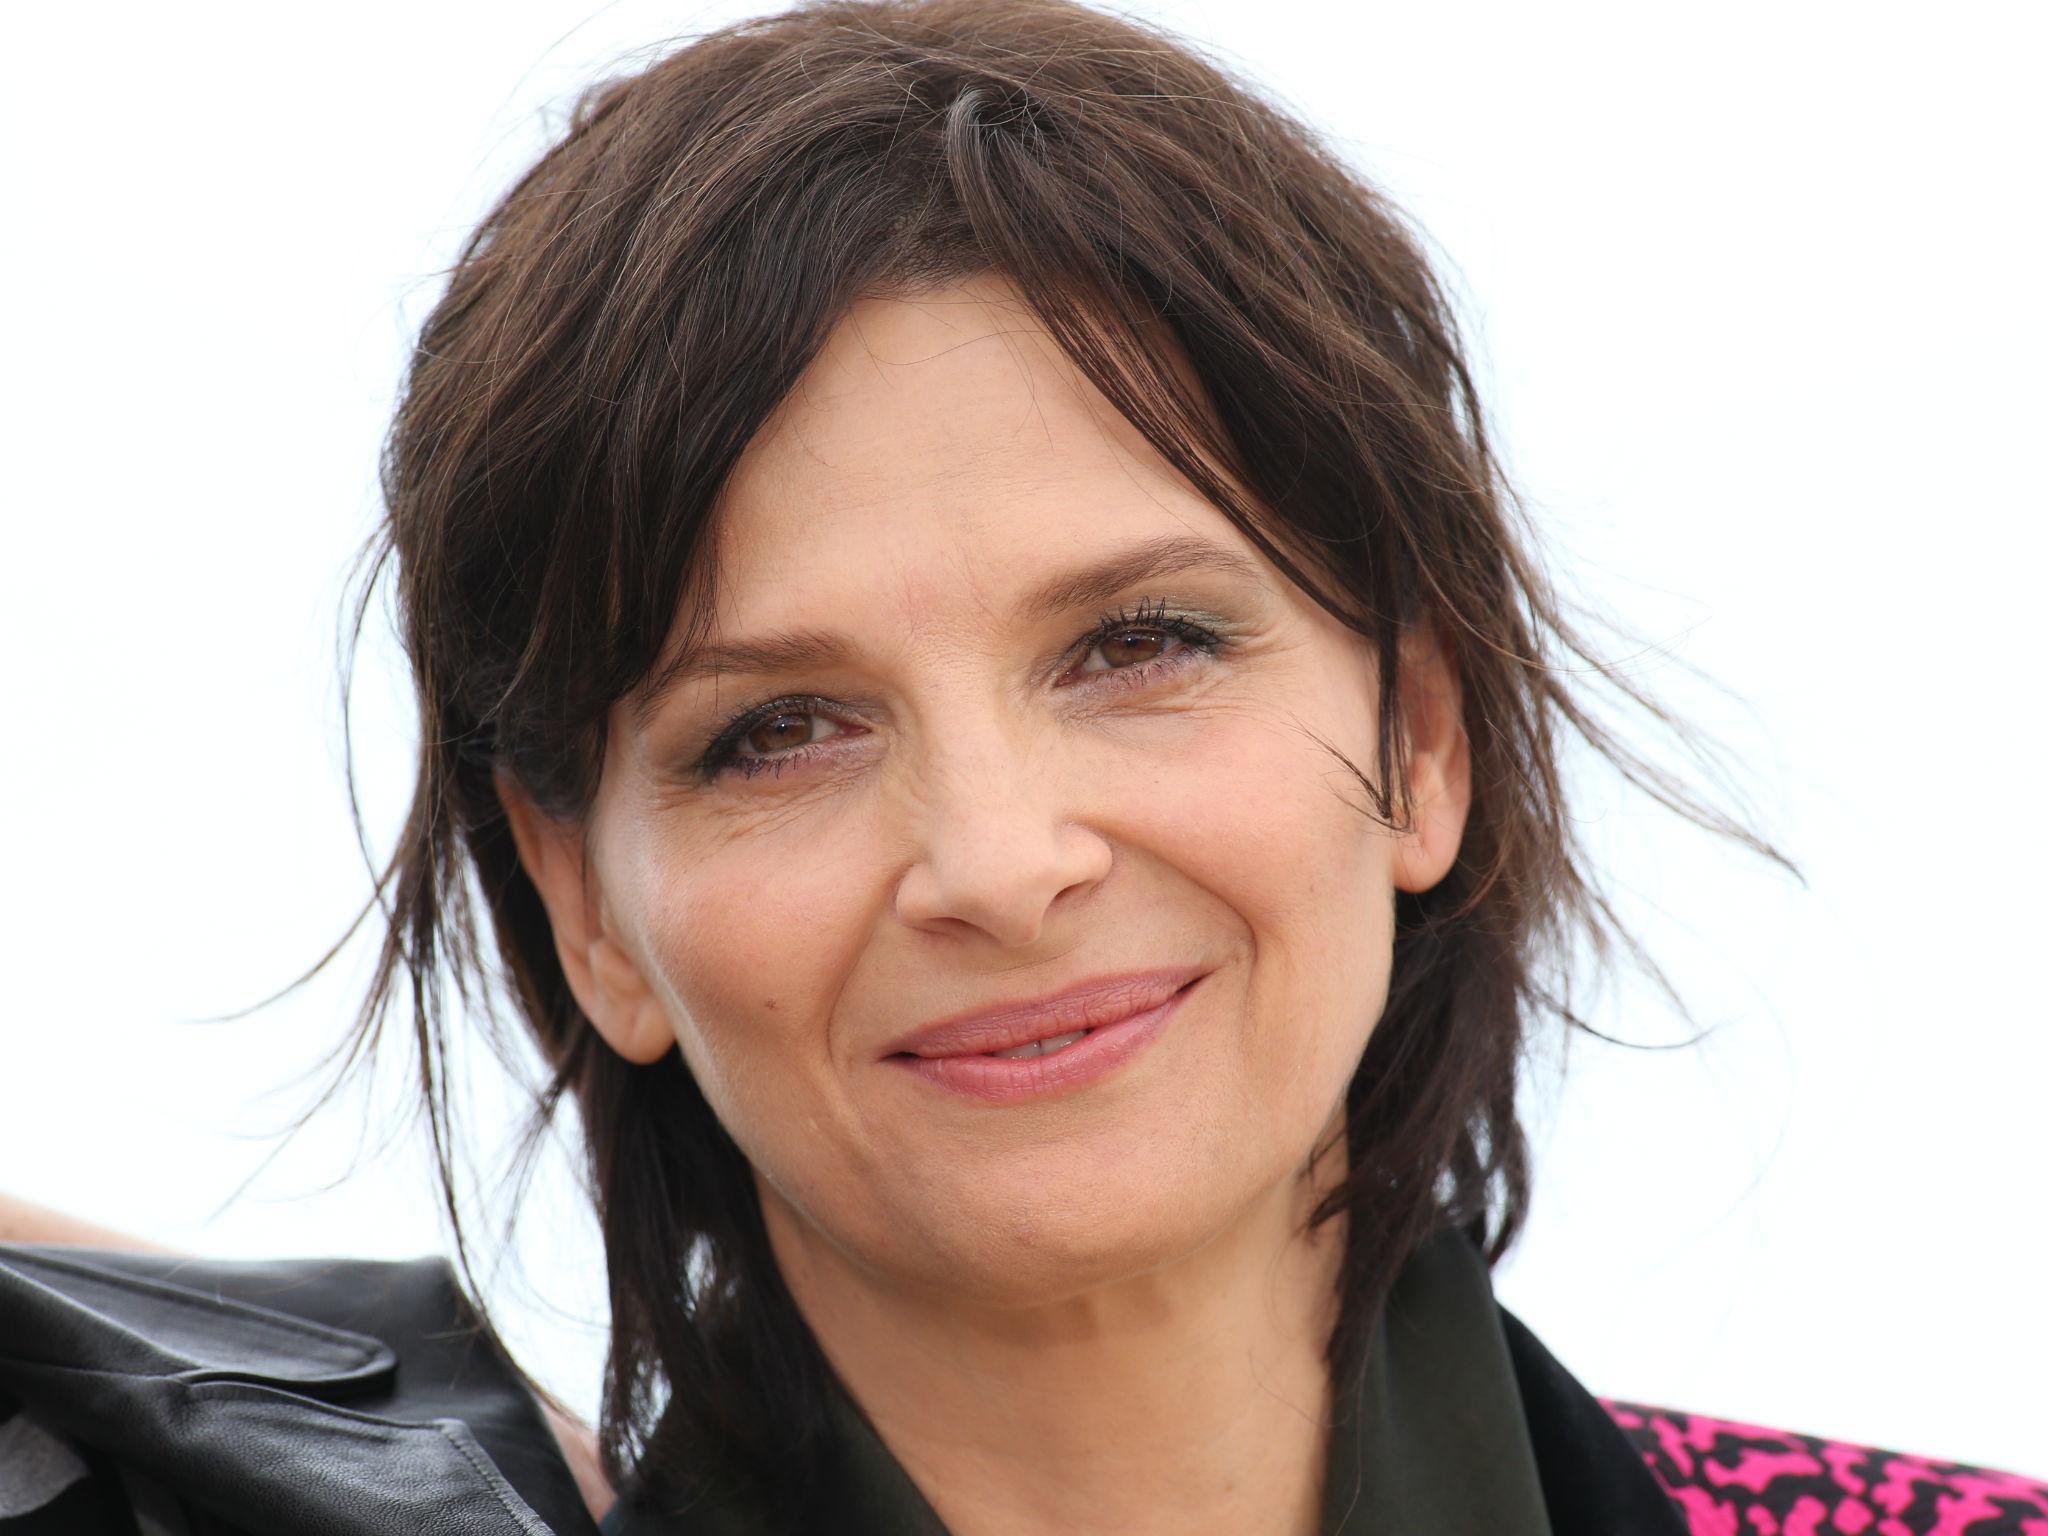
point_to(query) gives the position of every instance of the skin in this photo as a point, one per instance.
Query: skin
(22, 1221)
(1096, 1311)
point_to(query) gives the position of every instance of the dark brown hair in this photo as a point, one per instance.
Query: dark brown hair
(612, 336)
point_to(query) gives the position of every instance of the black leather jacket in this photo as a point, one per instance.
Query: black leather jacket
(171, 1397)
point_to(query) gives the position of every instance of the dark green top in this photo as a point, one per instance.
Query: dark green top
(1429, 1439)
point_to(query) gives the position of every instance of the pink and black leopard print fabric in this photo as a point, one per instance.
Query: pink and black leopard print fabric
(1739, 1480)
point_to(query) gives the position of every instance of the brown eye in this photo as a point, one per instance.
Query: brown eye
(779, 732)
(1145, 644)
(1129, 646)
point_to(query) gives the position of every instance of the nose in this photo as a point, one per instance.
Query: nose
(998, 846)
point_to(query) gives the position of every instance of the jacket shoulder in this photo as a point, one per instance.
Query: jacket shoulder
(352, 1397)
(1732, 1479)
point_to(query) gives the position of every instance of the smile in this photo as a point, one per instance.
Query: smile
(1047, 1045)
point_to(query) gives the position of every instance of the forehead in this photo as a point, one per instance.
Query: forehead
(941, 437)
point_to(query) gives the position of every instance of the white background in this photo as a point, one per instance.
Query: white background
(1757, 290)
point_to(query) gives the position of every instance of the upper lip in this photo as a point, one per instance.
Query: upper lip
(1087, 1005)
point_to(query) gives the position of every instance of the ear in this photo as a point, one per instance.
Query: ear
(1439, 762)
(602, 974)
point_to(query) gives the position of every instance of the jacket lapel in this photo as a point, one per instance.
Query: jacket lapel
(1594, 1482)
(1429, 1439)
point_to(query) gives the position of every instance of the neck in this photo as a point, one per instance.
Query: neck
(1192, 1398)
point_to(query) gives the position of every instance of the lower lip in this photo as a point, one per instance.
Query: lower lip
(1005, 1079)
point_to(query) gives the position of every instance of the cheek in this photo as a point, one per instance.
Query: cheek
(1278, 831)
(748, 942)
(1247, 804)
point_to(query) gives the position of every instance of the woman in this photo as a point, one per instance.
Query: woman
(971, 642)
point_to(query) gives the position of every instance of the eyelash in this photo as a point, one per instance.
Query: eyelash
(1195, 639)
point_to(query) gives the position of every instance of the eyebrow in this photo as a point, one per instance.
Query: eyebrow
(1172, 554)
(1083, 587)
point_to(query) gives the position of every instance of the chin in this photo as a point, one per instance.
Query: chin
(1019, 1244)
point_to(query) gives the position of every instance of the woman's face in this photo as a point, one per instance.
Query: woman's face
(995, 707)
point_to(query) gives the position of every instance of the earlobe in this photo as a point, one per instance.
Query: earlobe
(601, 972)
(1439, 764)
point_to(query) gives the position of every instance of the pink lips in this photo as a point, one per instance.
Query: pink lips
(1122, 1015)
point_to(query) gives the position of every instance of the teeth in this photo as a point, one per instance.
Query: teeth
(1041, 1047)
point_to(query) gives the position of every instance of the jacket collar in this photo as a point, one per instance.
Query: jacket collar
(1432, 1439)
(1594, 1479)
